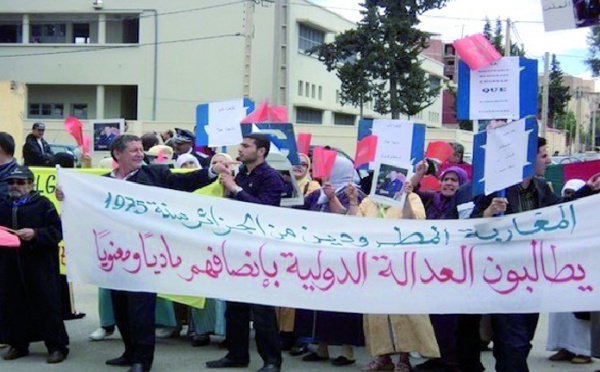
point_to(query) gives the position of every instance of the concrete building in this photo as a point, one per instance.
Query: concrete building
(151, 62)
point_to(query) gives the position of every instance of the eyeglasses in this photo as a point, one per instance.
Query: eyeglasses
(40, 130)
(19, 182)
(303, 164)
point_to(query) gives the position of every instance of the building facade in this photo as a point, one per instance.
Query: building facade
(152, 62)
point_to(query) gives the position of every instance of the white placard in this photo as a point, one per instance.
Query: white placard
(224, 119)
(394, 141)
(558, 15)
(494, 91)
(505, 156)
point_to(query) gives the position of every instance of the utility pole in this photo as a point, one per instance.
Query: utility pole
(578, 96)
(507, 42)
(248, 36)
(545, 95)
(281, 53)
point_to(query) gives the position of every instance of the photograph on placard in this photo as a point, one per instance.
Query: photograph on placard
(389, 183)
(105, 132)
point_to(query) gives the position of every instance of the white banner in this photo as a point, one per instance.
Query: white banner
(125, 236)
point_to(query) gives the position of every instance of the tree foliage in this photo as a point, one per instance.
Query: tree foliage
(379, 60)
(559, 95)
(593, 60)
(496, 38)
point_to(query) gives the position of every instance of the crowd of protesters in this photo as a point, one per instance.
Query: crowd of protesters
(450, 342)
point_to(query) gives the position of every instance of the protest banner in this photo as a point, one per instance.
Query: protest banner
(142, 238)
(506, 89)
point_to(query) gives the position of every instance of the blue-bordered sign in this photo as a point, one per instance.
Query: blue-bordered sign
(417, 152)
(202, 120)
(480, 142)
(282, 136)
(508, 89)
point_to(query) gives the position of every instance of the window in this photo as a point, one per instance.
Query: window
(46, 110)
(48, 33)
(300, 87)
(312, 91)
(320, 92)
(309, 37)
(434, 82)
(308, 116)
(343, 119)
(81, 33)
(10, 33)
(307, 89)
(79, 110)
(337, 96)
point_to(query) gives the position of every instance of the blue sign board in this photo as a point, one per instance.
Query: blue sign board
(202, 120)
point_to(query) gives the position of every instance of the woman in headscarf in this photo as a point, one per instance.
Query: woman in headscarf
(302, 174)
(210, 319)
(388, 335)
(285, 315)
(326, 327)
(570, 335)
(187, 161)
(437, 204)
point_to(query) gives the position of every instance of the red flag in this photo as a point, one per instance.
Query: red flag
(8, 240)
(430, 183)
(87, 145)
(303, 142)
(476, 51)
(322, 163)
(439, 150)
(75, 129)
(365, 151)
(265, 114)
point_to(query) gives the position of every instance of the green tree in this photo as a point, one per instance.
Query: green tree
(593, 60)
(566, 121)
(497, 38)
(559, 95)
(380, 60)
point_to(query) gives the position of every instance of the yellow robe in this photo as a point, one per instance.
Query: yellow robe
(393, 334)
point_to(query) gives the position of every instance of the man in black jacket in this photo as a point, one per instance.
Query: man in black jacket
(29, 274)
(36, 151)
(134, 311)
(513, 333)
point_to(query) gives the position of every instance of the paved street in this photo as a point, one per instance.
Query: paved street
(178, 355)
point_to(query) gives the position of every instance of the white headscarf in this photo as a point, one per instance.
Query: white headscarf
(342, 173)
(574, 184)
(186, 158)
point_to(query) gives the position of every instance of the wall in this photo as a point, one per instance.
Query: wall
(12, 103)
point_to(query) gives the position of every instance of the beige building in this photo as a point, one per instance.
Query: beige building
(152, 62)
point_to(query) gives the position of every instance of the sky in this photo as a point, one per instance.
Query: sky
(460, 18)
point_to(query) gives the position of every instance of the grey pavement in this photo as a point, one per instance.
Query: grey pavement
(176, 355)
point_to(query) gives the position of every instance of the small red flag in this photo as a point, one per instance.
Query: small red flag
(439, 150)
(75, 129)
(8, 240)
(365, 151)
(303, 142)
(322, 162)
(430, 183)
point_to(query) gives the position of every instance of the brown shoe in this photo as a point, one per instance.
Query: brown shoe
(562, 355)
(14, 353)
(56, 357)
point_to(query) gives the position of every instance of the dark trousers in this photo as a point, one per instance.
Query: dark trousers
(446, 327)
(134, 314)
(468, 343)
(237, 319)
(512, 340)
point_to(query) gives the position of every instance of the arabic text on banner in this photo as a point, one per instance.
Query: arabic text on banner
(143, 238)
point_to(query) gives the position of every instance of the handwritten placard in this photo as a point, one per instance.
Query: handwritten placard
(505, 156)
(224, 119)
(560, 14)
(142, 238)
(394, 144)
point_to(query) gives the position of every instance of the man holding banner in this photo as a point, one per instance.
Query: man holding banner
(256, 183)
(134, 311)
(513, 333)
